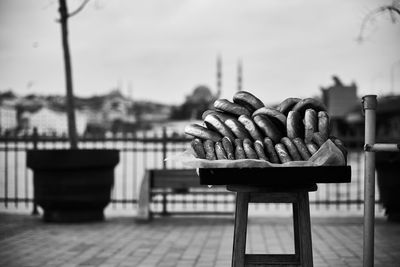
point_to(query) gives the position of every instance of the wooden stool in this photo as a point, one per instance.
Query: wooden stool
(301, 222)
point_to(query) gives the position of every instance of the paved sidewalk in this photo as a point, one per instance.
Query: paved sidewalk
(177, 241)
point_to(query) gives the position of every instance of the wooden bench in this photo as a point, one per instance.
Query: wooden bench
(162, 183)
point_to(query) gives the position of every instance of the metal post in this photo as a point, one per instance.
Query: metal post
(164, 204)
(164, 146)
(35, 137)
(369, 107)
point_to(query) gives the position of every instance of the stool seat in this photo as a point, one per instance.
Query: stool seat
(270, 189)
(298, 196)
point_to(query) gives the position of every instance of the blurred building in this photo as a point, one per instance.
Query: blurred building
(158, 114)
(49, 121)
(201, 94)
(195, 104)
(113, 114)
(8, 117)
(339, 100)
(387, 119)
(116, 107)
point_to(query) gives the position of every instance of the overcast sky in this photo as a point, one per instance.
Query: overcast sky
(164, 49)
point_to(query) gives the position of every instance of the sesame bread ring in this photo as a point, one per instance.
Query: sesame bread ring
(259, 148)
(286, 105)
(291, 148)
(202, 132)
(312, 148)
(301, 147)
(276, 116)
(323, 124)
(239, 150)
(217, 125)
(310, 124)
(219, 151)
(308, 103)
(221, 115)
(232, 108)
(268, 128)
(237, 128)
(247, 100)
(318, 139)
(336, 140)
(251, 128)
(294, 125)
(283, 154)
(209, 149)
(249, 150)
(270, 150)
(198, 148)
(228, 146)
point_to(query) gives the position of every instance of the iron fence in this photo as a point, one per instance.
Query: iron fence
(143, 150)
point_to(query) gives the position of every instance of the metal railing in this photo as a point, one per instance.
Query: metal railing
(147, 150)
(370, 105)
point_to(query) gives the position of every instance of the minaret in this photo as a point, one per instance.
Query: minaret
(239, 76)
(219, 76)
(130, 89)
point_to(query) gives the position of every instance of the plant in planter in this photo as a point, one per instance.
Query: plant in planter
(72, 185)
(388, 163)
(388, 171)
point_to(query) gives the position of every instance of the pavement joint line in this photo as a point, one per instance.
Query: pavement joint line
(182, 241)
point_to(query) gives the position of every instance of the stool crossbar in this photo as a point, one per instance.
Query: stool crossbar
(298, 196)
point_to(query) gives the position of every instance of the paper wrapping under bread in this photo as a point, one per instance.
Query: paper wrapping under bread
(327, 155)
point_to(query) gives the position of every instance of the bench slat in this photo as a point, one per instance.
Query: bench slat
(174, 179)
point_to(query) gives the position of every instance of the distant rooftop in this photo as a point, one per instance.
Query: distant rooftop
(339, 98)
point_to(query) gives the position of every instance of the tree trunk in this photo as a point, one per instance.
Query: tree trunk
(73, 138)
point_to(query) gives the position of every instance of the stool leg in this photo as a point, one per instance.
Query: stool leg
(239, 237)
(296, 230)
(304, 229)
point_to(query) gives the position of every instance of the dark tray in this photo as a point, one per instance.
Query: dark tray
(275, 176)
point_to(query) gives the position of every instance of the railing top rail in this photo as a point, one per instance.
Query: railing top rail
(92, 139)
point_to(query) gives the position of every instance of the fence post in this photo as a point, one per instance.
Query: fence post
(35, 138)
(164, 204)
(6, 135)
(164, 146)
(164, 155)
(369, 106)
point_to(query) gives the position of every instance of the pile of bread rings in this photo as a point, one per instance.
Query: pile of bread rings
(247, 129)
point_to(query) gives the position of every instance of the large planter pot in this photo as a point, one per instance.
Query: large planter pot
(73, 185)
(388, 175)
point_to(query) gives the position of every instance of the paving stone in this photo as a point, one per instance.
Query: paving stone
(182, 241)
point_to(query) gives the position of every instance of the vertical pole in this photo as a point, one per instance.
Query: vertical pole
(35, 146)
(239, 76)
(219, 76)
(6, 170)
(35, 136)
(124, 170)
(16, 172)
(369, 107)
(164, 204)
(164, 147)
